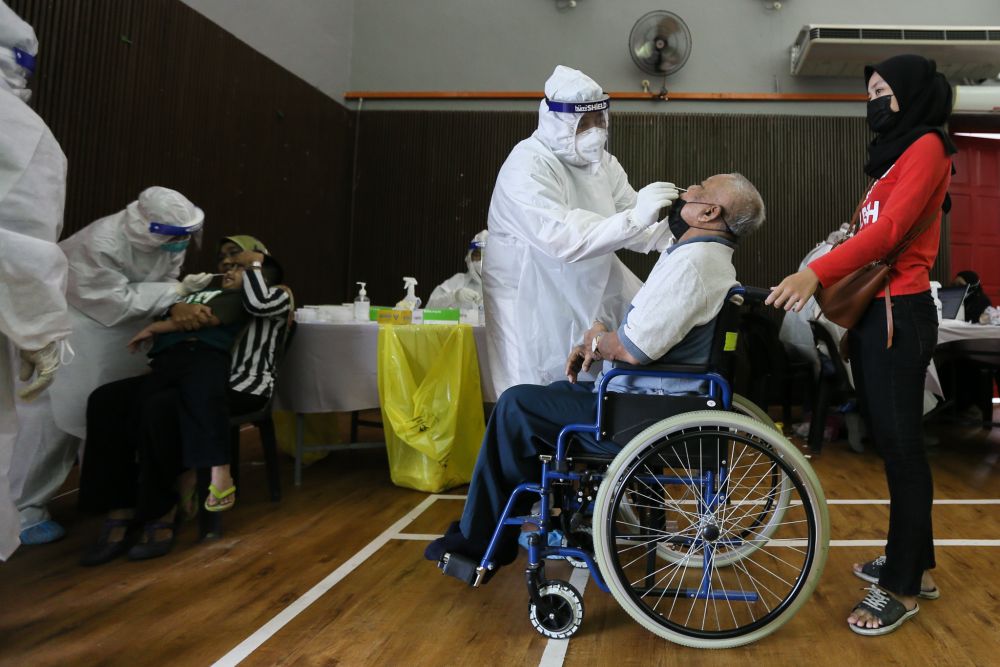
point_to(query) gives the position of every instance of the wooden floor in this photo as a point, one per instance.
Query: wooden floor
(385, 605)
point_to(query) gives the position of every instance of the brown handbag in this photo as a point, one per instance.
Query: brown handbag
(845, 301)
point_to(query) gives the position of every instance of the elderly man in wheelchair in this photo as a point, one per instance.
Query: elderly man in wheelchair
(705, 524)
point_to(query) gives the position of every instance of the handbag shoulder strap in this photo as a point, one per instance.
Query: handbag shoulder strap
(911, 235)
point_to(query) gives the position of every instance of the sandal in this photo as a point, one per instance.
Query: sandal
(872, 570)
(218, 505)
(889, 611)
(152, 547)
(104, 550)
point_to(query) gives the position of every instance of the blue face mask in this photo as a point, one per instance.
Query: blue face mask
(175, 246)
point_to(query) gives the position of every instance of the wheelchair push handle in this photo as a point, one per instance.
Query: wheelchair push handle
(749, 293)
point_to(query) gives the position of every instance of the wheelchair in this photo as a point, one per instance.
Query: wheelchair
(709, 527)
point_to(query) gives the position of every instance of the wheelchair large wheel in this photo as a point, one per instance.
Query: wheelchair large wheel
(745, 406)
(697, 482)
(768, 513)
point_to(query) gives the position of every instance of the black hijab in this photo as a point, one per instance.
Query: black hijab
(976, 300)
(924, 98)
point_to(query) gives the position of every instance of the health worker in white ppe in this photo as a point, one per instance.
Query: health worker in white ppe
(123, 270)
(33, 317)
(463, 290)
(561, 206)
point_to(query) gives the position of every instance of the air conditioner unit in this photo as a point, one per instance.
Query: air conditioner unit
(971, 52)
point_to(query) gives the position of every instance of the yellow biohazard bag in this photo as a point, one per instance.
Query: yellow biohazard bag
(432, 404)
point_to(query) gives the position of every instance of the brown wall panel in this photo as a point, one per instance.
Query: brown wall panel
(149, 92)
(424, 180)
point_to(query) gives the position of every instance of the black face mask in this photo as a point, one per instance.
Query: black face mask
(881, 118)
(676, 223)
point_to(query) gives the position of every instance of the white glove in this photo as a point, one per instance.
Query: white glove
(43, 364)
(468, 295)
(650, 200)
(193, 282)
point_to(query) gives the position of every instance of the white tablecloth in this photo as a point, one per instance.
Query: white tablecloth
(950, 331)
(333, 367)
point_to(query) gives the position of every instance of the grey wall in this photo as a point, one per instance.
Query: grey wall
(739, 45)
(310, 38)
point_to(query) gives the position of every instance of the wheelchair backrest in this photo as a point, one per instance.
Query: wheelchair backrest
(625, 415)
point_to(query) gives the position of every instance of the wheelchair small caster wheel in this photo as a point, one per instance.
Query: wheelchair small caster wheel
(558, 613)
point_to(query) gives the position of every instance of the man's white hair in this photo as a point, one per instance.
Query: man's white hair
(746, 212)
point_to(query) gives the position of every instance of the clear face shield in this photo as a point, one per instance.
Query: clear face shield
(175, 237)
(591, 126)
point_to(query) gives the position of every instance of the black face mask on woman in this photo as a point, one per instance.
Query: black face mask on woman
(881, 118)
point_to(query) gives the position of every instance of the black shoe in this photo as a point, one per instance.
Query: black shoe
(104, 550)
(452, 542)
(153, 548)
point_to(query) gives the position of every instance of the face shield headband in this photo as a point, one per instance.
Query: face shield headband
(577, 107)
(173, 230)
(24, 59)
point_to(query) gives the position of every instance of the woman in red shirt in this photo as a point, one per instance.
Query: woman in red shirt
(908, 104)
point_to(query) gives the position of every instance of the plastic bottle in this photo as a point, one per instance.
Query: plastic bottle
(410, 300)
(362, 305)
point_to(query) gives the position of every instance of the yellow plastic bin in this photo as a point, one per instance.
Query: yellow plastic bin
(432, 404)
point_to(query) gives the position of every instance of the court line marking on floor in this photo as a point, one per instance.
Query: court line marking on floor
(555, 649)
(266, 631)
(840, 501)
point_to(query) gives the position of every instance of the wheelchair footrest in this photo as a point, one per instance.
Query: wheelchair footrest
(463, 568)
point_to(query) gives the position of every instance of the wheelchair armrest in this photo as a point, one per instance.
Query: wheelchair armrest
(697, 369)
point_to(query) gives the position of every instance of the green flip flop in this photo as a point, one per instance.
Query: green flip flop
(219, 496)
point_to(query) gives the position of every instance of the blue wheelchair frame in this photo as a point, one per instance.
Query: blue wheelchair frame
(718, 389)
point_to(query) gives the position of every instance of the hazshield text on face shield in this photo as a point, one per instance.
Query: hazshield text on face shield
(590, 144)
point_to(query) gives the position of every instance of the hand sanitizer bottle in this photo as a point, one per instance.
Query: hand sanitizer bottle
(410, 300)
(362, 306)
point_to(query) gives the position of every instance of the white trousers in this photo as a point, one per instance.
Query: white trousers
(9, 521)
(43, 458)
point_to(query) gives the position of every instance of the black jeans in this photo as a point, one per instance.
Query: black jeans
(890, 386)
(144, 431)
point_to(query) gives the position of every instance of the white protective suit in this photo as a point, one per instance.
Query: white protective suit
(463, 290)
(32, 268)
(555, 220)
(119, 277)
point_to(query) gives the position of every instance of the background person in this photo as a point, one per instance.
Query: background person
(975, 301)
(463, 290)
(561, 206)
(123, 269)
(33, 316)
(909, 101)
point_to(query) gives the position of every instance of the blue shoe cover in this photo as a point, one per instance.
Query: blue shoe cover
(43, 533)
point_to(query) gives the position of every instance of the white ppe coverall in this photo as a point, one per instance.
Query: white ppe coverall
(32, 268)
(555, 220)
(462, 290)
(119, 277)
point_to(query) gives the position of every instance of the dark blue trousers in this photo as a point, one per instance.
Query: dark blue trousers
(525, 423)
